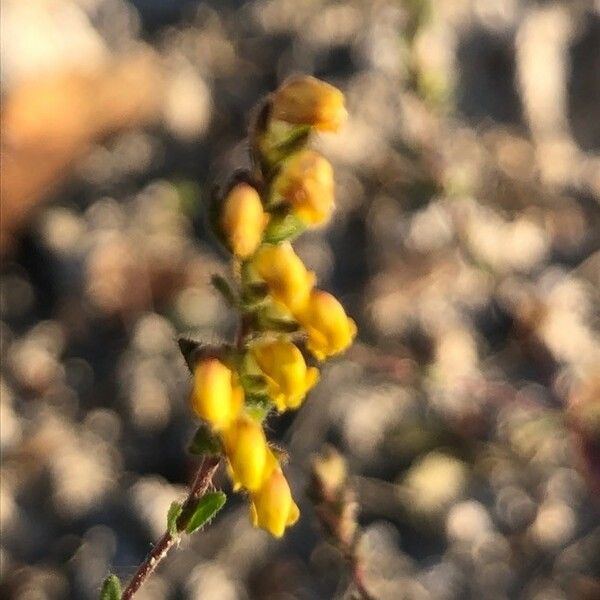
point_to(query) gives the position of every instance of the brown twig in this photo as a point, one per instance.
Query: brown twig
(201, 484)
(336, 508)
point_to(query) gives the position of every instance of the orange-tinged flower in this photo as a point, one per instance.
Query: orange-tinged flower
(216, 396)
(247, 452)
(243, 220)
(273, 507)
(306, 183)
(288, 377)
(309, 101)
(327, 326)
(288, 280)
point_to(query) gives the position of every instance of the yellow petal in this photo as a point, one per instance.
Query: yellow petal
(293, 515)
(243, 220)
(328, 328)
(309, 101)
(285, 274)
(306, 183)
(213, 398)
(246, 449)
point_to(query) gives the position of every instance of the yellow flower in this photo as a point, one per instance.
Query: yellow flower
(216, 396)
(246, 449)
(243, 220)
(328, 328)
(288, 280)
(288, 377)
(306, 183)
(309, 101)
(272, 507)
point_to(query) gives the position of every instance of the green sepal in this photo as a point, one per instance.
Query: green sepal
(254, 384)
(280, 141)
(283, 225)
(251, 375)
(111, 588)
(257, 399)
(272, 317)
(254, 288)
(222, 286)
(258, 406)
(206, 509)
(254, 295)
(172, 516)
(205, 442)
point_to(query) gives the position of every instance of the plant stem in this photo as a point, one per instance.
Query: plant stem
(202, 482)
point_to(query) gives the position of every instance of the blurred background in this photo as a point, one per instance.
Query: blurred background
(466, 246)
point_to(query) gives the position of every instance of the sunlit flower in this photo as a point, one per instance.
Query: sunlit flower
(288, 280)
(288, 377)
(243, 220)
(309, 101)
(327, 326)
(306, 183)
(216, 396)
(272, 507)
(246, 449)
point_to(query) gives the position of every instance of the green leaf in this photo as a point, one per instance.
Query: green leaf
(283, 226)
(206, 509)
(205, 442)
(172, 516)
(111, 588)
(223, 287)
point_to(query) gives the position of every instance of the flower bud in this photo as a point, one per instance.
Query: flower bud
(306, 183)
(272, 507)
(216, 396)
(328, 328)
(246, 449)
(309, 101)
(243, 220)
(287, 278)
(288, 377)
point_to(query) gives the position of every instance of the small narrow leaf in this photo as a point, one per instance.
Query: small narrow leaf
(223, 287)
(111, 588)
(205, 442)
(208, 506)
(172, 516)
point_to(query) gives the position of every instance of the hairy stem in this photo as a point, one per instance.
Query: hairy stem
(200, 486)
